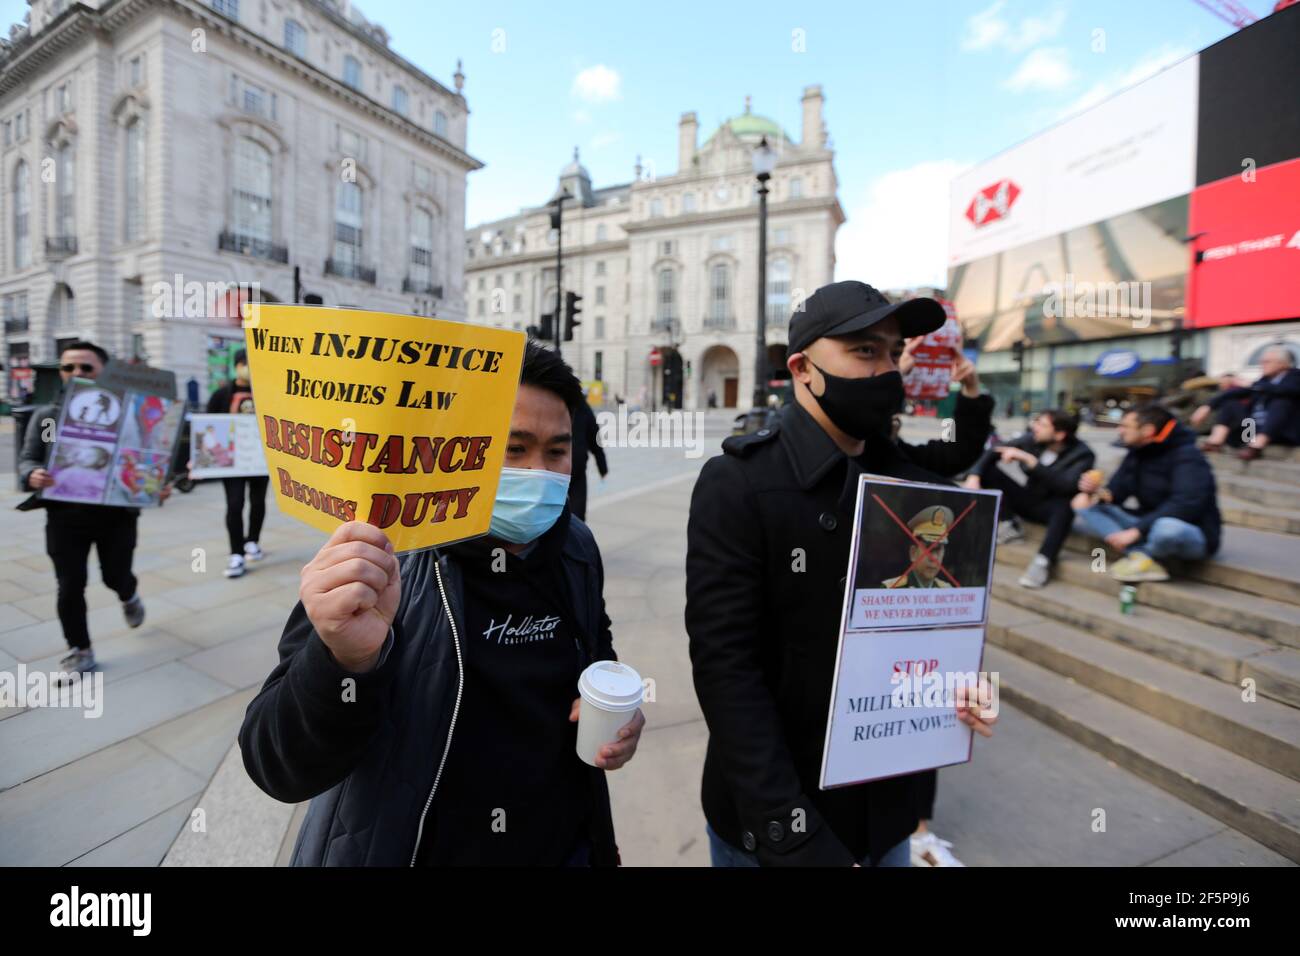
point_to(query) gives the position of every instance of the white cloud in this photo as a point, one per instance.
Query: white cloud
(898, 236)
(601, 140)
(597, 84)
(581, 117)
(988, 29)
(1149, 64)
(1047, 68)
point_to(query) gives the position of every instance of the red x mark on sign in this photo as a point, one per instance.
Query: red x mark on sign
(925, 549)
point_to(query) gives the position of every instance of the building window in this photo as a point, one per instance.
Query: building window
(600, 327)
(600, 267)
(252, 196)
(401, 102)
(519, 278)
(135, 70)
(22, 216)
(65, 207)
(482, 307)
(600, 295)
(781, 237)
(255, 100)
(778, 290)
(688, 202)
(8, 127)
(440, 122)
(666, 299)
(422, 248)
(601, 234)
(518, 304)
(62, 309)
(227, 8)
(347, 225)
(720, 291)
(422, 177)
(295, 38)
(721, 243)
(796, 188)
(656, 208)
(62, 99)
(352, 71)
(666, 247)
(598, 365)
(482, 283)
(133, 228)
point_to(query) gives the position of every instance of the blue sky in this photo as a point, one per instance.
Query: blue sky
(915, 89)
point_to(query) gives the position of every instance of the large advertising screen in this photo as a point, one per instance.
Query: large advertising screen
(1132, 151)
(1247, 230)
(1121, 276)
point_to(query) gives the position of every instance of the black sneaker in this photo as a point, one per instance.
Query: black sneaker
(133, 611)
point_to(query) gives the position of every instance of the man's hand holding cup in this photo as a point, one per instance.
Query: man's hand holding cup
(350, 591)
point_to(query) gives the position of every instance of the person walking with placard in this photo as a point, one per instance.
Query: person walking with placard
(768, 541)
(73, 528)
(236, 398)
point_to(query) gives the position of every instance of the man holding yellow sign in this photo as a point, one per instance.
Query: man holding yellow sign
(386, 660)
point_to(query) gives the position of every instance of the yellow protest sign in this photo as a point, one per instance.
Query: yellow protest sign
(397, 420)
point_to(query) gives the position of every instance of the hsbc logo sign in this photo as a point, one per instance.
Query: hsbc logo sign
(992, 203)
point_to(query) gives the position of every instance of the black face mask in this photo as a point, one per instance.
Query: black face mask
(861, 407)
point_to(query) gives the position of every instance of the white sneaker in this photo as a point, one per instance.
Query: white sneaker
(929, 850)
(253, 551)
(1010, 531)
(235, 566)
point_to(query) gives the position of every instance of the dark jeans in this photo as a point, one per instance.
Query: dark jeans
(1281, 413)
(235, 509)
(1054, 512)
(927, 784)
(578, 494)
(69, 533)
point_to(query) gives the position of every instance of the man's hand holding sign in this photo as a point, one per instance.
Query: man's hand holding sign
(350, 591)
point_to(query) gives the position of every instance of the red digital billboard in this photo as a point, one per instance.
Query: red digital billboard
(1246, 257)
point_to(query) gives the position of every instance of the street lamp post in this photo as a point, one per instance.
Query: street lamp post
(764, 162)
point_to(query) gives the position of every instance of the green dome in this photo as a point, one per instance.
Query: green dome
(751, 126)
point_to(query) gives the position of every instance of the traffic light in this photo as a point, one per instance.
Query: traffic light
(546, 332)
(571, 310)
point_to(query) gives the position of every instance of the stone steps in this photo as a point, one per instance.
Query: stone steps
(1186, 642)
(1260, 491)
(1286, 472)
(1248, 514)
(1263, 731)
(1259, 563)
(1275, 621)
(1254, 800)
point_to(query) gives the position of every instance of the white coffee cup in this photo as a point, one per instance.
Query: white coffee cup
(610, 693)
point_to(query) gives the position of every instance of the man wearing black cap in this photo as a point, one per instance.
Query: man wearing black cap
(767, 551)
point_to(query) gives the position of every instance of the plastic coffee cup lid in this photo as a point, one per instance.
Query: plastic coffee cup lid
(611, 686)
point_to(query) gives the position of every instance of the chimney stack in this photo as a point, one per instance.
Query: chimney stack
(814, 133)
(686, 134)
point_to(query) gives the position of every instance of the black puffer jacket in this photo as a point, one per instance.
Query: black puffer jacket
(372, 764)
(1170, 478)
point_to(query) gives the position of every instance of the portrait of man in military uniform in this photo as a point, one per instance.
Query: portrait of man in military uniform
(929, 525)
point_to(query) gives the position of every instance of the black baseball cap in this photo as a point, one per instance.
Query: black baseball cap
(850, 306)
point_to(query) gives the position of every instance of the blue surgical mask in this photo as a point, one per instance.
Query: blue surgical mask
(528, 503)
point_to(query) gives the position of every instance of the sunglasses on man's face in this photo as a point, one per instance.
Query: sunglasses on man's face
(77, 367)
